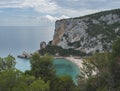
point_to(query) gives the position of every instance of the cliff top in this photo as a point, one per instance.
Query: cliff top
(96, 15)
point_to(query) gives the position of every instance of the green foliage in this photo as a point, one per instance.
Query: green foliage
(107, 68)
(107, 30)
(42, 76)
(39, 85)
(64, 83)
(97, 63)
(16, 81)
(7, 63)
(42, 66)
(115, 65)
(12, 79)
(116, 48)
(96, 72)
(9, 80)
(62, 52)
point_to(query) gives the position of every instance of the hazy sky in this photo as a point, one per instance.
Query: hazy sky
(46, 12)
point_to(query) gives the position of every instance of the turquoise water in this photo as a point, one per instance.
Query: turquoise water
(23, 64)
(65, 67)
(62, 66)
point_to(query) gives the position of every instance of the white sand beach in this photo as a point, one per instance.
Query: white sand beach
(76, 61)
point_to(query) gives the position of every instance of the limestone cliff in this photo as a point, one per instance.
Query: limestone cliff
(89, 33)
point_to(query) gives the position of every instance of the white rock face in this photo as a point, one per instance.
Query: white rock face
(110, 18)
(87, 34)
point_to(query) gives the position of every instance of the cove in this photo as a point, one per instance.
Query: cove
(62, 67)
(66, 67)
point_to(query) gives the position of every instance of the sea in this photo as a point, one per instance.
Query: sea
(16, 39)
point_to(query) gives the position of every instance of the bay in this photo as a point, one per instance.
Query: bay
(66, 67)
(16, 39)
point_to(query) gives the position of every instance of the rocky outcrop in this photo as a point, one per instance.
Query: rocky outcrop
(91, 33)
(42, 45)
(24, 55)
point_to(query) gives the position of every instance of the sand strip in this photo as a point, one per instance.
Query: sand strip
(78, 62)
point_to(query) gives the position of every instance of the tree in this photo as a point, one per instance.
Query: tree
(42, 66)
(39, 85)
(95, 65)
(107, 66)
(7, 63)
(16, 81)
(63, 83)
(115, 66)
(12, 79)
(116, 49)
(95, 72)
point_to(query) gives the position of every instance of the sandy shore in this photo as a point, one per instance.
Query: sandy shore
(78, 62)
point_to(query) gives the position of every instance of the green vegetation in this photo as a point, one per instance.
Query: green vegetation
(53, 50)
(102, 28)
(16, 81)
(7, 63)
(42, 76)
(115, 65)
(42, 66)
(66, 84)
(107, 30)
(12, 79)
(107, 68)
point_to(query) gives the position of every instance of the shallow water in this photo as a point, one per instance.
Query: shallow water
(62, 66)
(65, 67)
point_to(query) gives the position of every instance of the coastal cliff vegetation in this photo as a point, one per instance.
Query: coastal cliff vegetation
(89, 34)
(42, 77)
(53, 50)
(107, 68)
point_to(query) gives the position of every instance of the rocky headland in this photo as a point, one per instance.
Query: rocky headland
(89, 34)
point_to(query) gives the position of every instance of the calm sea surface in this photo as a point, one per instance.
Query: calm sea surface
(65, 67)
(15, 40)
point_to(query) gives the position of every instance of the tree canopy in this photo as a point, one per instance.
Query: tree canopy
(12, 79)
(107, 68)
(42, 77)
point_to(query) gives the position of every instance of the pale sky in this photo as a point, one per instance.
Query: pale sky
(46, 12)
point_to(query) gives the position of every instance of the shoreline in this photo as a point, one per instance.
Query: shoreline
(77, 62)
